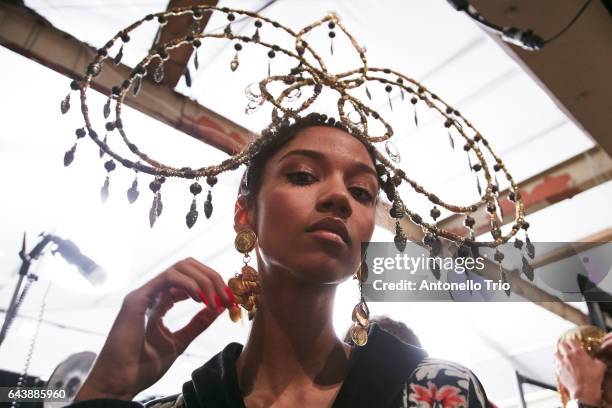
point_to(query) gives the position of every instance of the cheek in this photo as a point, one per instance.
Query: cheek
(280, 215)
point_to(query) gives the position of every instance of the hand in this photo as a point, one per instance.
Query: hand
(606, 342)
(139, 348)
(581, 374)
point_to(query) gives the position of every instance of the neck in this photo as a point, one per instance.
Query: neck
(292, 338)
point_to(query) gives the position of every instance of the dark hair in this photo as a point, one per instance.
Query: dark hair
(273, 138)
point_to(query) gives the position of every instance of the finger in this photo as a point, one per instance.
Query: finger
(573, 346)
(200, 275)
(221, 289)
(162, 305)
(607, 341)
(197, 325)
(207, 291)
(178, 294)
(130, 321)
(564, 348)
(170, 278)
(176, 279)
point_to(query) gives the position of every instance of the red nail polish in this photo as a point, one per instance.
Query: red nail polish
(231, 295)
(203, 298)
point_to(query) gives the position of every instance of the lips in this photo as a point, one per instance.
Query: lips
(334, 225)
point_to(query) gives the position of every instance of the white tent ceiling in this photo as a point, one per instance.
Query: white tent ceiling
(426, 39)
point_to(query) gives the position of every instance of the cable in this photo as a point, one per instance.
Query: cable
(573, 20)
(525, 39)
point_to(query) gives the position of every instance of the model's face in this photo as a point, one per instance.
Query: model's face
(316, 205)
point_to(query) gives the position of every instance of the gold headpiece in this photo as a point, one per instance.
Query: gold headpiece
(301, 85)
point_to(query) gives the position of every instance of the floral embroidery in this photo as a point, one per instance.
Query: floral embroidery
(442, 384)
(445, 397)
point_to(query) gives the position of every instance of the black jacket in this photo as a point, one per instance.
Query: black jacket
(385, 373)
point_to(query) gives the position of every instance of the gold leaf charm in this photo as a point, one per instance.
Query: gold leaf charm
(234, 64)
(361, 314)
(245, 241)
(235, 313)
(237, 286)
(359, 335)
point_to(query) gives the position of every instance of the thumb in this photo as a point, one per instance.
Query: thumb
(196, 325)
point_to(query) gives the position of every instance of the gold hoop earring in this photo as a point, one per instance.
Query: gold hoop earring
(245, 285)
(361, 312)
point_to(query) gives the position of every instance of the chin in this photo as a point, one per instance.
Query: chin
(321, 268)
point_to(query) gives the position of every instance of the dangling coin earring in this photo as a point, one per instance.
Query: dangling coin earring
(361, 313)
(245, 285)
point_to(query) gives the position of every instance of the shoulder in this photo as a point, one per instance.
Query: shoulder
(447, 382)
(172, 401)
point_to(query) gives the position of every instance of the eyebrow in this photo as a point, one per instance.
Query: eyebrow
(321, 157)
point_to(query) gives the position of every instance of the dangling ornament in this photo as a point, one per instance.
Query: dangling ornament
(208, 207)
(392, 151)
(156, 205)
(400, 238)
(132, 192)
(401, 81)
(529, 247)
(192, 215)
(107, 108)
(65, 104)
(359, 335)
(119, 56)
(527, 268)
(271, 54)
(368, 94)
(414, 101)
(153, 212)
(235, 63)
(196, 62)
(187, 75)
(258, 25)
(332, 34)
(499, 257)
(104, 191)
(137, 85)
(450, 138)
(361, 314)
(69, 155)
(158, 74)
(388, 89)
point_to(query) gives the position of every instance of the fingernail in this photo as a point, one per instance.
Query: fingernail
(203, 298)
(230, 294)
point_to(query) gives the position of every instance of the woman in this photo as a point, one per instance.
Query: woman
(311, 200)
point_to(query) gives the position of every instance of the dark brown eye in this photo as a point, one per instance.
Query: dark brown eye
(301, 178)
(361, 194)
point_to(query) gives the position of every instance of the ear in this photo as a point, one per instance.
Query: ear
(243, 214)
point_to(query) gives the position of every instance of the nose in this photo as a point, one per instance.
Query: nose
(334, 198)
